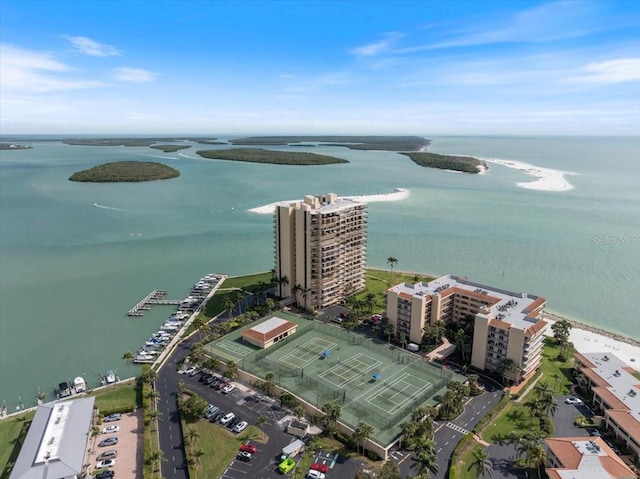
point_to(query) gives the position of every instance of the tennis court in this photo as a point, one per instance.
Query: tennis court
(372, 381)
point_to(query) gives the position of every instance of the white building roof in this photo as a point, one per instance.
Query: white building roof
(511, 307)
(56, 442)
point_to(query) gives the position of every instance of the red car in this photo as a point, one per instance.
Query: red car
(320, 467)
(248, 448)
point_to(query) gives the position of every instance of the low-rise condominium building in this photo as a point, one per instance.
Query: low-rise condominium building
(616, 394)
(506, 325)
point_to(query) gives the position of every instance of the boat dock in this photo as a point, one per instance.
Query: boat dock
(154, 297)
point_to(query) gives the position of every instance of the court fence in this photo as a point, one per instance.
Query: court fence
(259, 364)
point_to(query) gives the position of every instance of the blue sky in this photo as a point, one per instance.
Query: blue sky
(302, 67)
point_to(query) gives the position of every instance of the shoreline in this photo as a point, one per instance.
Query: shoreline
(397, 194)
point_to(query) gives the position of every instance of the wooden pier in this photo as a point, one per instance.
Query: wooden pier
(154, 297)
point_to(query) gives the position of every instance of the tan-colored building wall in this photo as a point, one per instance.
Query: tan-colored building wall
(320, 249)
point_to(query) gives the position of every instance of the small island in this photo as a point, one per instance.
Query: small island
(169, 148)
(126, 171)
(131, 141)
(385, 143)
(464, 164)
(258, 155)
(13, 146)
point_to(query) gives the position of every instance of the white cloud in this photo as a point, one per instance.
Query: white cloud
(619, 70)
(28, 72)
(383, 46)
(90, 47)
(542, 23)
(134, 75)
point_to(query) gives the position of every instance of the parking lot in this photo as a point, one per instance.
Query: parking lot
(250, 405)
(129, 436)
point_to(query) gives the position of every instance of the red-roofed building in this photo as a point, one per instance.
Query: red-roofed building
(269, 332)
(584, 458)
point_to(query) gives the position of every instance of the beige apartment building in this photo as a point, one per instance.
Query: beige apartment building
(616, 394)
(506, 324)
(320, 249)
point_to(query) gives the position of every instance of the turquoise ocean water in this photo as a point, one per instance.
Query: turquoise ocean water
(75, 257)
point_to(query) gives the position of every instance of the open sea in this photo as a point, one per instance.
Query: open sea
(75, 257)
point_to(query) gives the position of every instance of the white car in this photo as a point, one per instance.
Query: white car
(240, 426)
(573, 400)
(190, 370)
(106, 464)
(228, 388)
(110, 429)
(315, 475)
(227, 419)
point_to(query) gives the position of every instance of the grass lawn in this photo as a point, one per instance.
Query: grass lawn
(12, 433)
(556, 373)
(514, 417)
(250, 282)
(377, 281)
(116, 398)
(219, 445)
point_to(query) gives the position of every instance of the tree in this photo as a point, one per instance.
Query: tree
(153, 416)
(391, 261)
(149, 376)
(240, 297)
(509, 369)
(201, 324)
(561, 331)
(128, 357)
(95, 432)
(155, 458)
(460, 340)
(228, 306)
(425, 463)
(232, 371)
(268, 384)
(332, 413)
(370, 300)
(298, 411)
(193, 436)
(152, 395)
(474, 386)
(195, 456)
(194, 407)
(388, 332)
(362, 432)
(262, 421)
(537, 457)
(481, 463)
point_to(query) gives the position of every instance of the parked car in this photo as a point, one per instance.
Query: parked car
(209, 413)
(228, 388)
(106, 464)
(191, 370)
(573, 400)
(244, 456)
(110, 454)
(111, 429)
(227, 419)
(241, 426)
(105, 475)
(112, 417)
(316, 466)
(110, 441)
(235, 421)
(248, 448)
(216, 417)
(313, 474)
(221, 385)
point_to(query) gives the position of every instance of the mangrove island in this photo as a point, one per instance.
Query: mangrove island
(126, 171)
(258, 155)
(465, 164)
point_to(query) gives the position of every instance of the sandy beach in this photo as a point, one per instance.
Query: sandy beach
(589, 339)
(548, 178)
(397, 194)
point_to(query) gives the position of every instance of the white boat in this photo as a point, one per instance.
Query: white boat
(79, 385)
(169, 327)
(110, 377)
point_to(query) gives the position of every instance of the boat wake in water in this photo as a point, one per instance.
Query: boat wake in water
(108, 207)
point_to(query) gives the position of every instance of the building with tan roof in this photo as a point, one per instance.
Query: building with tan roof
(584, 458)
(505, 324)
(320, 249)
(616, 394)
(268, 332)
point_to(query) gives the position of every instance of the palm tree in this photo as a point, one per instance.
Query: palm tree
(95, 432)
(370, 300)
(460, 341)
(537, 457)
(195, 456)
(363, 432)
(150, 376)
(282, 280)
(262, 421)
(228, 306)
(154, 416)
(332, 413)
(193, 436)
(425, 463)
(481, 463)
(240, 297)
(391, 261)
(268, 383)
(232, 371)
(155, 458)
(298, 411)
(128, 357)
(152, 395)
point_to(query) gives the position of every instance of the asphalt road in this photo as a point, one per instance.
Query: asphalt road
(449, 433)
